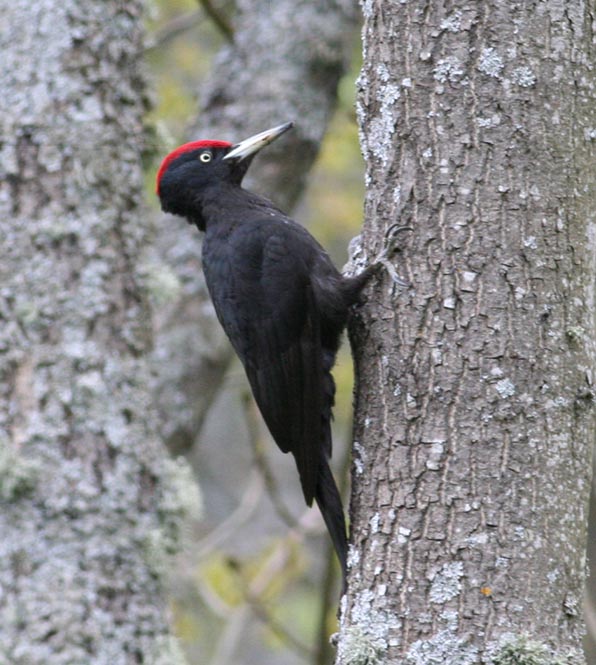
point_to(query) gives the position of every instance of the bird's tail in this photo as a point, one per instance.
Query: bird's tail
(329, 502)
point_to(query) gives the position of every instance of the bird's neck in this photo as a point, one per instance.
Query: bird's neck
(227, 204)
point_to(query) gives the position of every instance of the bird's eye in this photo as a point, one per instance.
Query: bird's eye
(205, 157)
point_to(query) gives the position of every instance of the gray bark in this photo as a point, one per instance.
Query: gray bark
(285, 64)
(90, 509)
(590, 594)
(474, 404)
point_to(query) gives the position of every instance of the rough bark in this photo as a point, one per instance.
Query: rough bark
(474, 404)
(590, 594)
(284, 64)
(90, 508)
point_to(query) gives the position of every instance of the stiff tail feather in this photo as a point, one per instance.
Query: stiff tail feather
(329, 502)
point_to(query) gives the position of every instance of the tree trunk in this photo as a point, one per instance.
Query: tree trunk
(474, 403)
(90, 507)
(590, 592)
(285, 64)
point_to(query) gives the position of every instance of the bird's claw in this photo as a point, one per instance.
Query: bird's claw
(390, 268)
(390, 247)
(393, 231)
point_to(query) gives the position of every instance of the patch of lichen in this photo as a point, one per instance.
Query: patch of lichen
(521, 650)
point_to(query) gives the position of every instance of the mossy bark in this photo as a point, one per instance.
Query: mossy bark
(90, 510)
(475, 387)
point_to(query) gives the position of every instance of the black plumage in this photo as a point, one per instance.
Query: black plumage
(279, 298)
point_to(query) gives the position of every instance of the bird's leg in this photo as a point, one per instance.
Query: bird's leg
(354, 283)
(390, 246)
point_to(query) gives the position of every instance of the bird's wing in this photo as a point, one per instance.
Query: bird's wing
(272, 320)
(287, 382)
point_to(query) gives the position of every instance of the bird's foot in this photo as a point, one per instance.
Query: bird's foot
(390, 247)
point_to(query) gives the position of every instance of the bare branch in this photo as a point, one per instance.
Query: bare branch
(262, 463)
(228, 641)
(177, 26)
(219, 19)
(247, 505)
(264, 614)
(273, 566)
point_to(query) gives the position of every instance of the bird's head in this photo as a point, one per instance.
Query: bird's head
(189, 171)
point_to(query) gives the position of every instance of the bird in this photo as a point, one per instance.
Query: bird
(279, 298)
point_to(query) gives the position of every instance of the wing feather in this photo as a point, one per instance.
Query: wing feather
(264, 299)
(286, 381)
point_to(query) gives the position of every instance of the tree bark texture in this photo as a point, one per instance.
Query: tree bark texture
(590, 591)
(474, 404)
(90, 507)
(284, 64)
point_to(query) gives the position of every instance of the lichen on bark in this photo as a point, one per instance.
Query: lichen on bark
(88, 503)
(474, 413)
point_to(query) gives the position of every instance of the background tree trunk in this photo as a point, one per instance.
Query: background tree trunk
(90, 507)
(474, 405)
(285, 63)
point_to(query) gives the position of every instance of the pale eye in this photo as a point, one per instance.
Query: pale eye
(205, 157)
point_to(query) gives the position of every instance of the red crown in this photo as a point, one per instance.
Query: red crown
(187, 147)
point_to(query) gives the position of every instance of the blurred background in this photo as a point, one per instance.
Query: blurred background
(258, 582)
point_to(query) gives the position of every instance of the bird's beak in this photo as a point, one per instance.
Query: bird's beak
(252, 145)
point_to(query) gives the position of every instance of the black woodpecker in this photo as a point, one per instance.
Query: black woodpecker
(279, 298)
